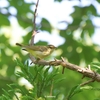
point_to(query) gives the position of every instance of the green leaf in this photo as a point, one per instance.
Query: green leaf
(7, 94)
(58, 0)
(58, 80)
(4, 21)
(19, 63)
(76, 89)
(95, 63)
(45, 25)
(86, 87)
(95, 66)
(46, 71)
(98, 1)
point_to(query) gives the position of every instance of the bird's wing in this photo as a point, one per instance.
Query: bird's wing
(37, 48)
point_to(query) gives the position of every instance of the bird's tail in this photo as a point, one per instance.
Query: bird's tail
(19, 44)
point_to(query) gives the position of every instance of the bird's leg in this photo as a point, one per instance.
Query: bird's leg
(37, 59)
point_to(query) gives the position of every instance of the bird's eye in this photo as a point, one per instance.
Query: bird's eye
(51, 46)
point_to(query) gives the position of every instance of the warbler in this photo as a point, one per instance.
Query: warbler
(39, 52)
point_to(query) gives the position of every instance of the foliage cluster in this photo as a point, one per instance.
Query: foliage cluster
(78, 50)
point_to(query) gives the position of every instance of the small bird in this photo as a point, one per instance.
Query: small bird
(39, 52)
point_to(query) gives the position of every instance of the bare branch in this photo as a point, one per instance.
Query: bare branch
(32, 38)
(84, 71)
(34, 25)
(35, 14)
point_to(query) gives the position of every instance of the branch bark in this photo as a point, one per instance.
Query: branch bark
(84, 71)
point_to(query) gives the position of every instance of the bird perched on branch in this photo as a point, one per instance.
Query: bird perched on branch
(39, 52)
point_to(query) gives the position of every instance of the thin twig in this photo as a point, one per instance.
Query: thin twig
(35, 14)
(92, 80)
(87, 82)
(51, 88)
(34, 25)
(32, 38)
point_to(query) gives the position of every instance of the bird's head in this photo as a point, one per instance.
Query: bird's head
(52, 47)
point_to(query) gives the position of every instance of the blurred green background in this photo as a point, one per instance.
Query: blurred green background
(77, 44)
